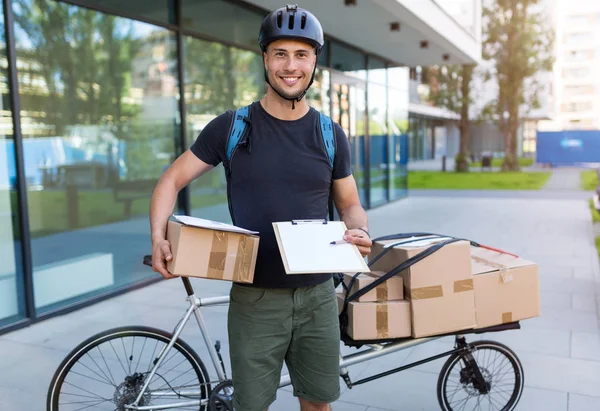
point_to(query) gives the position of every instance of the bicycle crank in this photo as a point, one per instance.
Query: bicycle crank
(221, 397)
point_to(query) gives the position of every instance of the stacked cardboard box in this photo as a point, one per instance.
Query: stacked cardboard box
(507, 287)
(460, 287)
(439, 287)
(381, 313)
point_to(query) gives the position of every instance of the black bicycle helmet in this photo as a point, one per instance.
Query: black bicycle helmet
(291, 22)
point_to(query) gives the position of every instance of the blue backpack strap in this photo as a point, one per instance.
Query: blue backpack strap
(328, 138)
(240, 122)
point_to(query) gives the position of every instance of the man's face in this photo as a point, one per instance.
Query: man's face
(289, 65)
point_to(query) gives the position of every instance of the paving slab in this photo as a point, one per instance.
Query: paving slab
(558, 349)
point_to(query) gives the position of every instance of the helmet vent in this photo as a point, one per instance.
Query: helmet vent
(303, 21)
(291, 22)
(279, 19)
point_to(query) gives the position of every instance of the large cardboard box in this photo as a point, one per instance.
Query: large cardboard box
(439, 287)
(392, 289)
(377, 320)
(507, 288)
(214, 254)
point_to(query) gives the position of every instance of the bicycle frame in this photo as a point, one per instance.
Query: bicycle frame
(374, 351)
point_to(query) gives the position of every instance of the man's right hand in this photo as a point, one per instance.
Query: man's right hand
(161, 253)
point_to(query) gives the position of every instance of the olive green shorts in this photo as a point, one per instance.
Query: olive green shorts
(270, 326)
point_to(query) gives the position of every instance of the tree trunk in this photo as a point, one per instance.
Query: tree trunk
(510, 145)
(462, 160)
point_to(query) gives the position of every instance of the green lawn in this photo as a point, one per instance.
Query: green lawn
(497, 162)
(589, 180)
(598, 245)
(477, 180)
(49, 211)
(595, 214)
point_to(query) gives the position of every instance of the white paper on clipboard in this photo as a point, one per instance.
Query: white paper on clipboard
(305, 248)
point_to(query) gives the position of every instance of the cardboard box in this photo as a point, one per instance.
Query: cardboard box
(507, 288)
(208, 253)
(440, 287)
(392, 289)
(377, 320)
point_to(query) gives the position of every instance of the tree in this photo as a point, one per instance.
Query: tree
(450, 88)
(517, 38)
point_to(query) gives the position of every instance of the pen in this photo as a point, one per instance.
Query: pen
(342, 241)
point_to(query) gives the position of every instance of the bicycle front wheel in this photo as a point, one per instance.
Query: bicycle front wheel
(503, 379)
(108, 372)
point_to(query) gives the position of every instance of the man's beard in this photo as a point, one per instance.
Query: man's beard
(274, 81)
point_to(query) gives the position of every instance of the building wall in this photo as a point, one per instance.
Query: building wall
(577, 57)
(104, 110)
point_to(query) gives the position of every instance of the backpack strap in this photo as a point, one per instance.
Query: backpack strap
(328, 136)
(239, 126)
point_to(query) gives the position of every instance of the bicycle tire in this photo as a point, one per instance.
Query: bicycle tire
(61, 373)
(502, 349)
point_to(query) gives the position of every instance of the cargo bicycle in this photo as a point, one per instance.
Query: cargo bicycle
(144, 368)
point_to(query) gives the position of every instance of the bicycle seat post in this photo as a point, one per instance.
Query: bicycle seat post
(188, 286)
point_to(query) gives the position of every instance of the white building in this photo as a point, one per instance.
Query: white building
(576, 79)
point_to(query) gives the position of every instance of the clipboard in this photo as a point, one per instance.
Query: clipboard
(305, 248)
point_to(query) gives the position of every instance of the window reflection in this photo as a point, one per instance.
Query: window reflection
(12, 305)
(218, 78)
(223, 20)
(99, 121)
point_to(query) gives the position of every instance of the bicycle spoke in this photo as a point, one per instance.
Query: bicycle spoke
(126, 356)
(93, 379)
(165, 373)
(111, 379)
(116, 355)
(153, 357)
(107, 367)
(140, 356)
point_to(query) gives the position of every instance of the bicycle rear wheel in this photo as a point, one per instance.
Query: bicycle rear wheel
(458, 387)
(109, 369)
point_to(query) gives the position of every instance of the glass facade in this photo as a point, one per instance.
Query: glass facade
(12, 298)
(108, 97)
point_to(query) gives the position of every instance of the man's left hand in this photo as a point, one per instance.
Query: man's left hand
(360, 239)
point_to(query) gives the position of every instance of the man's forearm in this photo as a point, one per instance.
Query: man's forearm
(161, 207)
(355, 217)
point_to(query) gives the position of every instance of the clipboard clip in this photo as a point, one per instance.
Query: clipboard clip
(317, 221)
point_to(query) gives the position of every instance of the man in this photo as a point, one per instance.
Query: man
(282, 173)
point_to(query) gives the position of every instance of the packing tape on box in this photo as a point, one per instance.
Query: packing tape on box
(463, 285)
(218, 254)
(427, 292)
(382, 291)
(507, 318)
(243, 259)
(382, 320)
(505, 274)
(437, 291)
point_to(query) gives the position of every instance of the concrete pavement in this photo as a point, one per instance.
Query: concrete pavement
(560, 350)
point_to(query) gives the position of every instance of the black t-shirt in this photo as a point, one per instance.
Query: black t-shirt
(282, 175)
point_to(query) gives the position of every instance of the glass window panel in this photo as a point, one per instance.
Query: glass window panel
(100, 125)
(218, 78)
(378, 143)
(398, 142)
(349, 110)
(347, 60)
(12, 304)
(318, 94)
(161, 11)
(223, 20)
